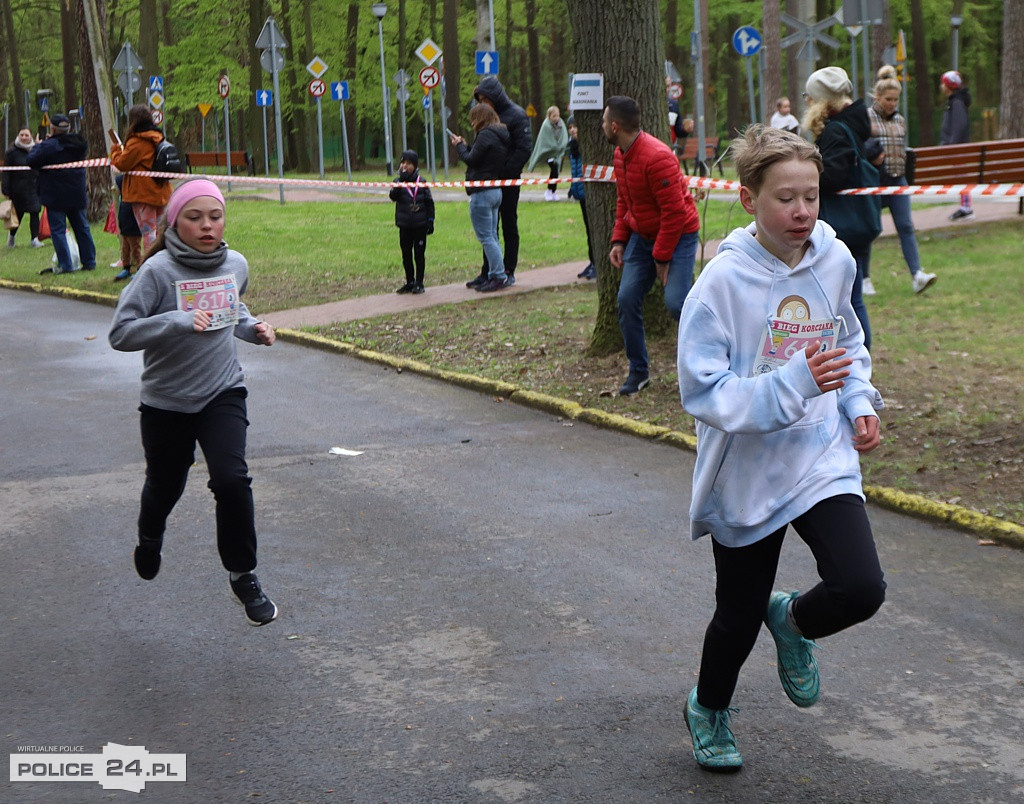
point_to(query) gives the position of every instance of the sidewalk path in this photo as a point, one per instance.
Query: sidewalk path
(934, 216)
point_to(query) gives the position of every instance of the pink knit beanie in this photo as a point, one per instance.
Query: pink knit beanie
(189, 191)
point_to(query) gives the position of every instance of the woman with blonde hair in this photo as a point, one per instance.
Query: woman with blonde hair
(552, 140)
(840, 127)
(890, 129)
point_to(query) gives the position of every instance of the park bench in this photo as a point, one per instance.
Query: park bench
(239, 159)
(688, 153)
(989, 162)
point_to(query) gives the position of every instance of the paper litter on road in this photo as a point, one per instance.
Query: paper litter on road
(343, 451)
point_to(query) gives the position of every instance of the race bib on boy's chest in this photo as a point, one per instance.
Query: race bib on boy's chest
(217, 296)
(790, 331)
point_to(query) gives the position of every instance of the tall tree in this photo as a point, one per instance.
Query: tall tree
(922, 79)
(450, 48)
(1011, 98)
(11, 49)
(96, 95)
(535, 93)
(69, 48)
(295, 122)
(771, 86)
(149, 39)
(351, 56)
(622, 41)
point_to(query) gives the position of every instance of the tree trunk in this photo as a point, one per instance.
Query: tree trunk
(453, 87)
(69, 48)
(623, 42)
(734, 75)
(11, 47)
(1011, 98)
(672, 50)
(771, 87)
(97, 95)
(257, 19)
(351, 53)
(149, 42)
(294, 122)
(925, 92)
(535, 92)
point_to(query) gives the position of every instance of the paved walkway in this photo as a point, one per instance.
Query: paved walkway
(931, 217)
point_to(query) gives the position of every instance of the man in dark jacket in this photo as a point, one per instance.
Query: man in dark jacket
(62, 191)
(655, 234)
(491, 92)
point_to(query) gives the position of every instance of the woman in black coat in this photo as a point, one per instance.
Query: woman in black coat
(486, 160)
(20, 186)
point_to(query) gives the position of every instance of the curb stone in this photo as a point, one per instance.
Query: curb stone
(1008, 534)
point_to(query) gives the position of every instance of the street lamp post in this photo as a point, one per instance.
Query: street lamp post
(956, 22)
(379, 10)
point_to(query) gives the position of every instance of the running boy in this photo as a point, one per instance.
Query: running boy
(767, 339)
(414, 217)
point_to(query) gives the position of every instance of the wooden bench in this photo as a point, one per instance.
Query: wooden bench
(688, 153)
(239, 159)
(988, 162)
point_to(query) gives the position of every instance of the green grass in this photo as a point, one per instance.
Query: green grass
(304, 253)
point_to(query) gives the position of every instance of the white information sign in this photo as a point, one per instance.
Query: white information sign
(587, 91)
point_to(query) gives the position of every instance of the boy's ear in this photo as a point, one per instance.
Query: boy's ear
(747, 199)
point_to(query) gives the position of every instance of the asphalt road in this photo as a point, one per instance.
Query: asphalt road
(486, 605)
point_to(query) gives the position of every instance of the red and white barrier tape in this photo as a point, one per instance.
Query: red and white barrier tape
(591, 173)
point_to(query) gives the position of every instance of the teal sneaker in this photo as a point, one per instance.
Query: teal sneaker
(798, 669)
(714, 747)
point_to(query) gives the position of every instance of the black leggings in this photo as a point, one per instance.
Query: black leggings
(851, 590)
(414, 246)
(169, 440)
(553, 164)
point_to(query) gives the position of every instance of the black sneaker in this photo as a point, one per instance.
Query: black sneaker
(406, 288)
(590, 272)
(492, 285)
(147, 559)
(259, 608)
(418, 288)
(634, 383)
(475, 283)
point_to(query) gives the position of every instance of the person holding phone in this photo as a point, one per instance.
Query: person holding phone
(147, 196)
(486, 160)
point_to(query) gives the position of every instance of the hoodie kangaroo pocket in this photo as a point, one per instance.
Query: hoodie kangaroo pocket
(762, 471)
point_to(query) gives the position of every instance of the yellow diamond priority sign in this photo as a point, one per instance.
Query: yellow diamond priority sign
(428, 51)
(156, 100)
(317, 67)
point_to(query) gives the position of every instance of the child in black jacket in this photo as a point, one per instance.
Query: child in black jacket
(414, 217)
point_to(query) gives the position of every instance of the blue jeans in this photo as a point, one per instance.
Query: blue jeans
(899, 206)
(483, 214)
(638, 276)
(861, 256)
(59, 220)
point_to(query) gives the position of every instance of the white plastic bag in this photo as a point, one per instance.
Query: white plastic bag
(76, 259)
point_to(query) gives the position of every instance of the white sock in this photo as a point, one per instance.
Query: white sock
(790, 620)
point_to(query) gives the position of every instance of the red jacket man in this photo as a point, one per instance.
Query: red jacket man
(655, 234)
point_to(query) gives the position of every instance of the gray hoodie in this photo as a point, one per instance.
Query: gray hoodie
(182, 369)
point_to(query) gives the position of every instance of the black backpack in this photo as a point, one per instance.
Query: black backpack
(167, 159)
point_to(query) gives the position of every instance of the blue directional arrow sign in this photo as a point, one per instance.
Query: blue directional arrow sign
(156, 83)
(426, 101)
(746, 40)
(264, 97)
(487, 62)
(339, 90)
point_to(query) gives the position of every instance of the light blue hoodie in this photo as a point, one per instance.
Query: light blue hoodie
(769, 445)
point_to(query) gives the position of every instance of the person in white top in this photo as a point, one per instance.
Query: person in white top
(783, 117)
